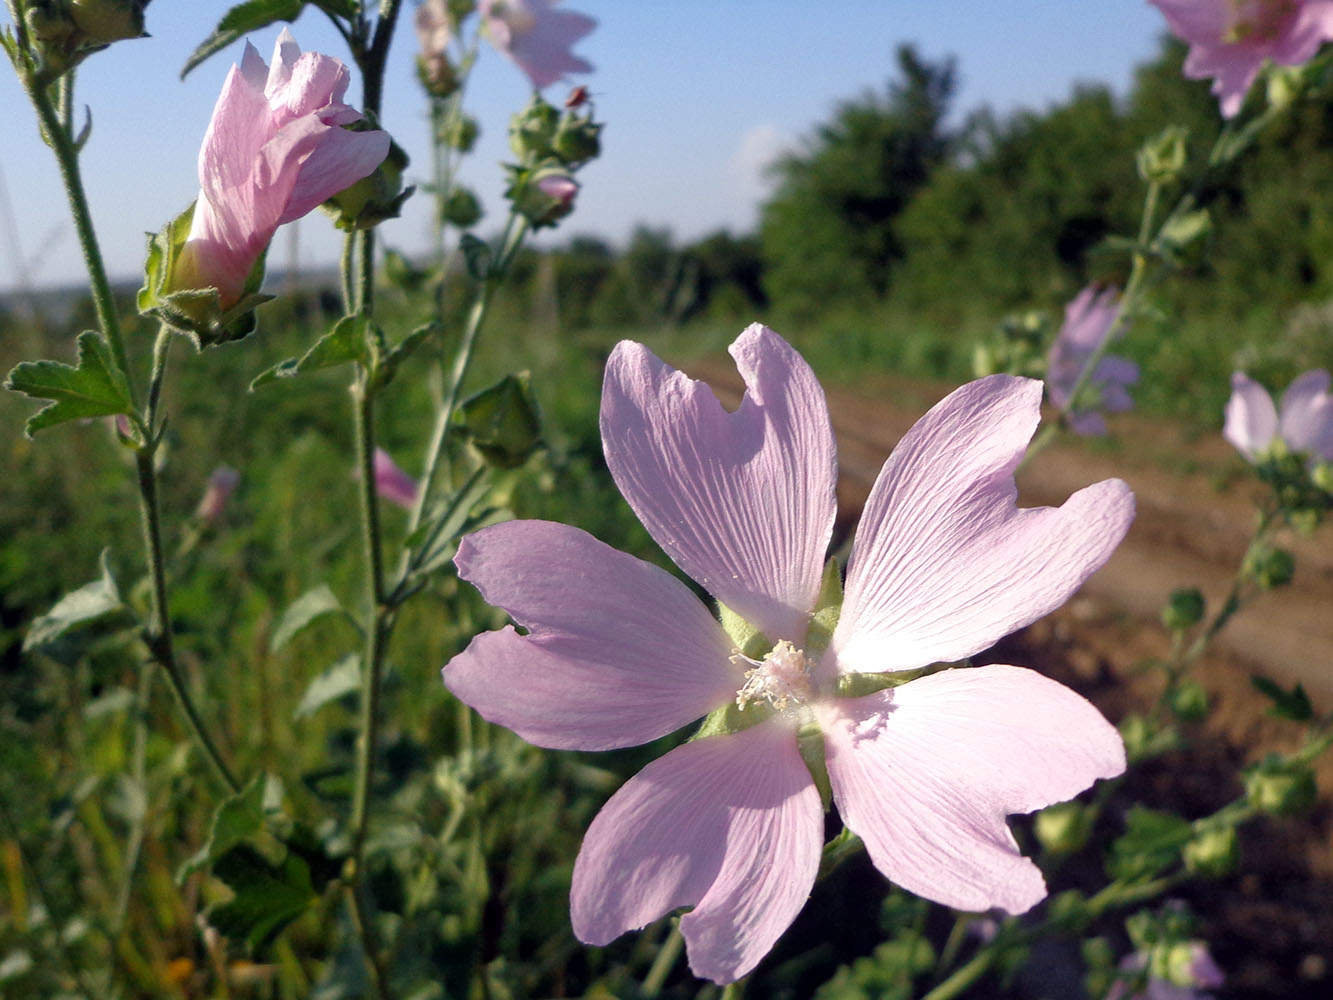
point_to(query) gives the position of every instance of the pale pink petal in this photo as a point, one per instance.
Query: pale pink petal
(314, 82)
(538, 37)
(1307, 415)
(945, 562)
(926, 773)
(1251, 418)
(730, 825)
(393, 483)
(743, 502)
(618, 651)
(337, 158)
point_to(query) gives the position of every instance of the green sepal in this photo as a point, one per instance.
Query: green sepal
(730, 718)
(353, 338)
(95, 387)
(810, 743)
(858, 685)
(197, 312)
(747, 638)
(828, 608)
(502, 421)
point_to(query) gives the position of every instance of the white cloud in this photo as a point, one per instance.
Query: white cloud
(758, 148)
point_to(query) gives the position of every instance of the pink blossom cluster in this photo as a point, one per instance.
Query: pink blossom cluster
(617, 652)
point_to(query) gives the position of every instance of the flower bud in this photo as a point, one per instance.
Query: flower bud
(1213, 853)
(577, 139)
(437, 74)
(377, 196)
(1285, 84)
(461, 208)
(1189, 701)
(106, 21)
(1162, 158)
(543, 197)
(1185, 607)
(503, 423)
(1270, 567)
(532, 131)
(460, 132)
(1063, 828)
(221, 483)
(1280, 789)
(1321, 474)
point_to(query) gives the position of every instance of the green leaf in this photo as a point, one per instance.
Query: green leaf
(236, 820)
(96, 388)
(1293, 704)
(314, 603)
(243, 19)
(502, 421)
(1152, 842)
(267, 898)
(339, 680)
(339, 8)
(404, 348)
(89, 603)
(347, 341)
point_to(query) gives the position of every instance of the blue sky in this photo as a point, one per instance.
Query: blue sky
(696, 95)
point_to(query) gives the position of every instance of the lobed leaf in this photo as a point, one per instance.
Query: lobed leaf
(93, 388)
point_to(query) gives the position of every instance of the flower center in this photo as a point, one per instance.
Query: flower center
(1255, 20)
(782, 678)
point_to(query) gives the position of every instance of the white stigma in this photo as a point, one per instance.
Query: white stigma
(782, 678)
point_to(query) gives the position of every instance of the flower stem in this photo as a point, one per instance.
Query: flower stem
(667, 955)
(158, 633)
(56, 134)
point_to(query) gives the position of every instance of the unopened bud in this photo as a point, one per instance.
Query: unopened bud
(1285, 84)
(1280, 789)
(577, 139)
(107, 21)
(1063, 828)
(437, 74)
(460, 132)
(1322, 476)
(461, 208)
(532, 131)
(1185, 607)
(1213, 853)
(1162, 158)
(543, 197)
(503, 423)
(1271, 567)
(1189, 701)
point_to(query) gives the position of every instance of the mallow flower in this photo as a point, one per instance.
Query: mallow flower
(798, 694)
(1304, 424)
(274, 150)
(1230, 39)
(1184, 972)
(537, 36)
(1088, 321)
(392, 483)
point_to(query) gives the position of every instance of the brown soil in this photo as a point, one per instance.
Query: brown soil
(1271, 926)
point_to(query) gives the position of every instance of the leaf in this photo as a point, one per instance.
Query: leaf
(236, 819)
(1293, 704)
(404, 348)
(267, 898)
(339, 8)
(345, 342)
(314, 603)
(339, 680)
(1152, 842)
(96, 388)
(79, 607)
(241, 20)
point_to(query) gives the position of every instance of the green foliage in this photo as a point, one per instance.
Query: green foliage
(830, 232)
(95, 387)
(252, 15)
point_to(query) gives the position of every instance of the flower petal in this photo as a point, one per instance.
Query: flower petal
(945, 562)
(618, 651)
(731, 825)
(743, 502)
(1251, 418)
(925, 773)
(1307, 414)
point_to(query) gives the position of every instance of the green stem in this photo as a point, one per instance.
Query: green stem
(1236, 597)
(158, 634)
(966, 975)
(347, 270)
(138, 770)
(662, 965)
(365, 931)
(57, 136)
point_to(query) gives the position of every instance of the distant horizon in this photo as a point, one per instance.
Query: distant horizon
(698, 100)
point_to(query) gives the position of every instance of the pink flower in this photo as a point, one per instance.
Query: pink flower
(1305, 425)
(1230, 39)
(537, 37)
(432, 27)
(392, 483)
(618, 652)
(1200, 973)
(274, 150)
(221, 482)
(1088, 321)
